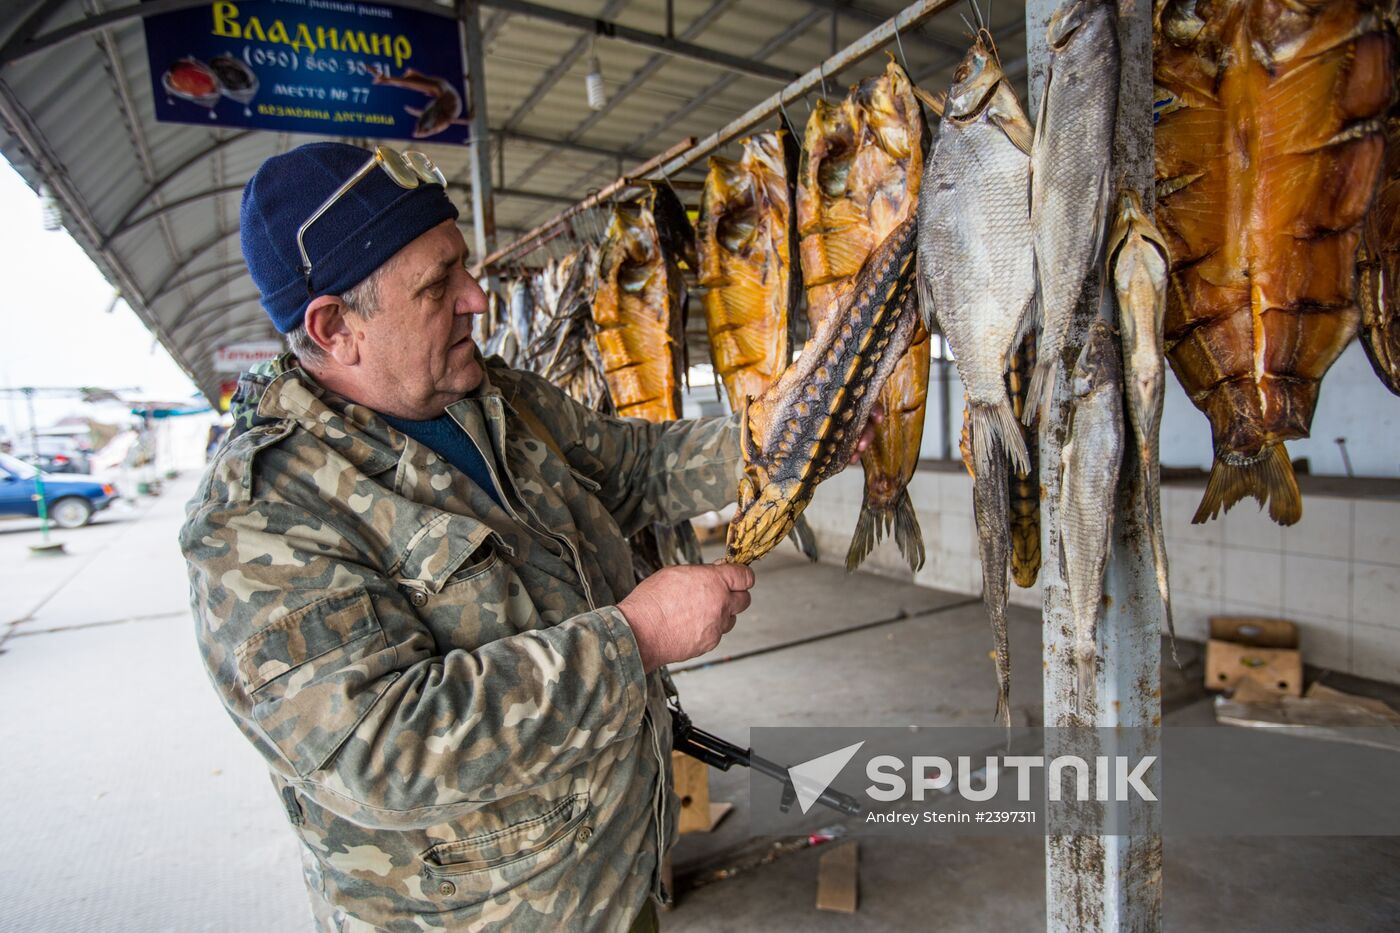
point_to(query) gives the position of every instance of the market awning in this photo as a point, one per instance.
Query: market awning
(156, 204)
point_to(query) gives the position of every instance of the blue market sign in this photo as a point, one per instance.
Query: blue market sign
(330, 67)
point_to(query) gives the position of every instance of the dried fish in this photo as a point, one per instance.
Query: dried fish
(1069, 172)
(1269, 146)
(804, 428)
(976, 257)
(1089, 464)
(989, 511)
(1137, 266)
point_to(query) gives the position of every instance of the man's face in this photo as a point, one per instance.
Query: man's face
(416, 352)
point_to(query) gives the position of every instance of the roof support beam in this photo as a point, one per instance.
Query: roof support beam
(185, 280)
(155, 187)
(479, 158)
(166, 208)
(788, 35)
(612, 30)
(639, 77)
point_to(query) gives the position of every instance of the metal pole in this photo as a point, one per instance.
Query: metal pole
(1098, 882)
(40, 496)
(483, 206)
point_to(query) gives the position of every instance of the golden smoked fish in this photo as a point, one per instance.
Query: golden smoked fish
(889, 163)
(747, 246)
(1269, 147)
(640, 303)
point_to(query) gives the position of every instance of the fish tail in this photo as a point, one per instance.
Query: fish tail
(1041, 388)
(907, 533)
(997, 423)
(1159, 563)
(1002, 651)
(1269, 479)
(868, 533)
(804, 539)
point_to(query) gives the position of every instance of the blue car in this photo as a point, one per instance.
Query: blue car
(72, 499)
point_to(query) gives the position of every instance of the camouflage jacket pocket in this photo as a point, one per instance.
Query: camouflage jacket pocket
(486, 865)
(314, 673)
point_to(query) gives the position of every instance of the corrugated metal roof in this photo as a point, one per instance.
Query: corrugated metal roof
(156, 204)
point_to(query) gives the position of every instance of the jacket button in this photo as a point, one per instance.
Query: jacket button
(447, 889)
(419, 599)
(585, 833)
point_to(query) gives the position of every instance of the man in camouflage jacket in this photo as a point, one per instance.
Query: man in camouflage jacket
(437, 645)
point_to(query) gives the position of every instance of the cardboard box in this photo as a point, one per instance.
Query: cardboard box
(1274, 670)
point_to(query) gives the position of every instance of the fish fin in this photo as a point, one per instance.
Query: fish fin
(1159, 560)
(414, 111)
(804, 539)
(997, 423)
(925, 299)
(907, 533)
(1268, 479)
(863, 540)
(1041, 389)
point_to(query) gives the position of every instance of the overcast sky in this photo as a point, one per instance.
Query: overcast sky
(54, 325)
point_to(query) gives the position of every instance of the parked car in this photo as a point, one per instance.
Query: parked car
(59, 453)
(72, 499)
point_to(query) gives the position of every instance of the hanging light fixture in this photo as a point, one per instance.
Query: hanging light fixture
(593, 81)
(49, 209)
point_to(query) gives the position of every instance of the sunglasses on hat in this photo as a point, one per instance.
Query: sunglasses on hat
(407, 170)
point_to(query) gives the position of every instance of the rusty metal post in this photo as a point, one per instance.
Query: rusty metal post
(483, 206)
(1101, 882)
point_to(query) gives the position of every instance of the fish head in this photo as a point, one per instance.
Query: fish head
(763, 520)
(1179, 23)
(975, 80)
(890, 111)
(1066, 22)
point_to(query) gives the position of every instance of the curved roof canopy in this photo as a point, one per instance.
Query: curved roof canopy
(156, 204)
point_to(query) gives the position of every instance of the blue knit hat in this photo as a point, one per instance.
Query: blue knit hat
(369, 224)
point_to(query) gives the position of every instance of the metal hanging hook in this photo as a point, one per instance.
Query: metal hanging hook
(899, 44)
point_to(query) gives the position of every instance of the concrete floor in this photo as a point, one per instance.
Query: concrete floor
(128, 802)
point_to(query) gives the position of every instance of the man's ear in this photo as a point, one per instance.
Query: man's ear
(328, 325)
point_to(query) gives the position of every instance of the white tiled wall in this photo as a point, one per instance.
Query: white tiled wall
(1336, 573)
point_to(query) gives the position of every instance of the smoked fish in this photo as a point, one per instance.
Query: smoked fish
(747, 246)
(804, 428)
(639, 305)
(750, 271)
(1269, 147)
(1379, 268)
